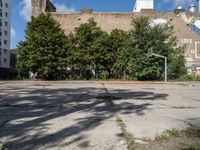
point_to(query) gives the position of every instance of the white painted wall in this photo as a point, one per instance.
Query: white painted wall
(143, 4)
(5, 8)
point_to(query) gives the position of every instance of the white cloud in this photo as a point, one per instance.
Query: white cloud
(13, 33)
(62, 7)
(175, 3)
(25, 9)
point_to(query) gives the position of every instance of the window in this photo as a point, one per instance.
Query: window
(5, 51)
(0, 22)
(5, 42)
(0, 52)
(0, 12)
(6, 14)
(5, 33)
(1, 3)
(6, 4)
(6, 23)
(4, 60)
(0, 33)
(0, 42)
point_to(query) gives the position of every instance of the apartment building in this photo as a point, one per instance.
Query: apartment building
(5, 26)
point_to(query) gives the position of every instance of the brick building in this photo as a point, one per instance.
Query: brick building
(122, 20)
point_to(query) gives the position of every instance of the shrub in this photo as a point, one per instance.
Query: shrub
(188, 77)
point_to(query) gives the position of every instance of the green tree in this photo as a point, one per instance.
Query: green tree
(85, 50)
(133, 60)
(43, 49)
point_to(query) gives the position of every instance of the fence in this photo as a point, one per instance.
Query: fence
(11, 74)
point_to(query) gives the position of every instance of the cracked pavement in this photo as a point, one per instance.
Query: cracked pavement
(82, 115)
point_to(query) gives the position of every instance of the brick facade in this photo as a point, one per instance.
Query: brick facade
(122, 20)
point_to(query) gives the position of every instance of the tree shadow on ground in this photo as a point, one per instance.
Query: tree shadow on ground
(27, 113)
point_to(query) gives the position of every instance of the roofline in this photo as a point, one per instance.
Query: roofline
(49, 2)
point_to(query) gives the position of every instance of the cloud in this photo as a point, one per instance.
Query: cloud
(62, 7)
(25, 9)
(175, 3)
(13, 33)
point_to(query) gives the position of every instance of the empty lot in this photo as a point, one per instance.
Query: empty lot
(83, 114)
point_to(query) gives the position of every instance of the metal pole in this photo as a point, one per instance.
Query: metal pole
(157, 55)
(165, 69)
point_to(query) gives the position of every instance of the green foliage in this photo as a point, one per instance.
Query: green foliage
(104, 75)
(167, 135)
(193, 147)
(133, 59)
(86, 49)
(92, 53)
(187, 77)
(43, 49)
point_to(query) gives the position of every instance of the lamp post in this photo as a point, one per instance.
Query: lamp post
(150, 53)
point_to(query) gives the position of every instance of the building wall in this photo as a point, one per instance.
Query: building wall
(5, 26)
(38, 6)
(143, 4)
(121, 20)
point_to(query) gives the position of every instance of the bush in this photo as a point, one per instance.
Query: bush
(104, 75)
(188, 77)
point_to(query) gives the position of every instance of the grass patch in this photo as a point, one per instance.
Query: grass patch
(191, 132)
(130, 140)
(167, 135)
(192, 147)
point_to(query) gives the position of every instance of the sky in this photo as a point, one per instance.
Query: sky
(21, 11)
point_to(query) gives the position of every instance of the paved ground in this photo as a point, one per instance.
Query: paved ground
(82, 115)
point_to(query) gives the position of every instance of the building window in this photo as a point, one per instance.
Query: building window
(0, 42)
(0, 33)
(0, 22)
(0, 12)
(4, 60)
(6, 14)
(6, 23)
(1, 3)
(5, 51)
(5, 33)
(5, 42)
(6, 4)
(0, 52)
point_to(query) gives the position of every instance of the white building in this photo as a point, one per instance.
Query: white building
(5, 26)
(143, 4)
